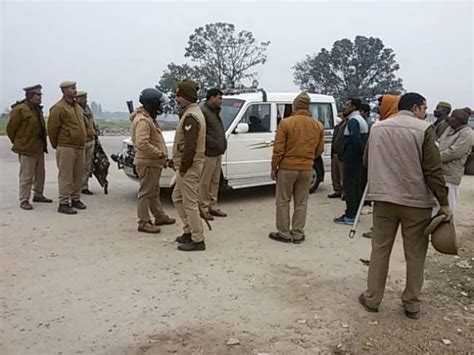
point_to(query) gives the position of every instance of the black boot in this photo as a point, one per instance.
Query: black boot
(192, 246)
(184, 238)
(66, 209)
(78, 204)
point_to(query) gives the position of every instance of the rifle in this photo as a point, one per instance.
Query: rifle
(130, 106)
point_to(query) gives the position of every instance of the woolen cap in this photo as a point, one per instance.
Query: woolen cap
(302, 101)
(188, 89)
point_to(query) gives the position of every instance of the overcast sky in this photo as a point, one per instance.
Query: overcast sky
(114, 49)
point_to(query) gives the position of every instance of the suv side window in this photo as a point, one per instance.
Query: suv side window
(283, 111)
(258, 117)
(323, 112)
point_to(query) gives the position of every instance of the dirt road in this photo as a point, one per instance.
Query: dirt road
(91, 284)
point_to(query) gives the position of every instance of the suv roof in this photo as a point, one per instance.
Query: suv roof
(278, 97)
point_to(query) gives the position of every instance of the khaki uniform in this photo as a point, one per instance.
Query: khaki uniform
(89, 147)
(185, 195)
(403, 191)
(299, 140)
(150, 156)
(209, 183)
(67, 134)
(27, 131)
(216, 145)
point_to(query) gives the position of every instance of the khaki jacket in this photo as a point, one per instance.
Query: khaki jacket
(455, 145)
(299, 140)
(404, 163)
(66, 126)
(148, 141)
(195, 152)
(26, 129)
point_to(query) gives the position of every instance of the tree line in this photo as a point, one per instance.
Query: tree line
(221, 56)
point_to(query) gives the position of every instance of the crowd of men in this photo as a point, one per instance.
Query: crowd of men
(408, 165)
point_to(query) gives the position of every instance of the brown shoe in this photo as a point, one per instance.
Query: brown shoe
(206, 215)
(217, 213)
(164, 220)
(364, 303)
(42, 199)
(276, 236)
(26, 206)
(149, 228)
(86, 192)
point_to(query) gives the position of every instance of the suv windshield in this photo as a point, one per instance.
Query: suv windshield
(229, 110)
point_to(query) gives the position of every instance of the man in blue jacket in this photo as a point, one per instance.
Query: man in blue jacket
(355, 139)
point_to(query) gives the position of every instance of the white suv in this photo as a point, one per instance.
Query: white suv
(250, 122)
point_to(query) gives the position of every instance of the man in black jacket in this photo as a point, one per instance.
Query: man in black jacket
(355, 139)
(216, 145)
(337, 166)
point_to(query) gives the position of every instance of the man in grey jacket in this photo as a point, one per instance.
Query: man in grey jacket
(216, 145)
(405, 180)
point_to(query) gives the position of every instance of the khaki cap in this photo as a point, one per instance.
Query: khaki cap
(66, 84)
(81, 93)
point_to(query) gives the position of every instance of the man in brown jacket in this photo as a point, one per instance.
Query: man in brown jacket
(299, 140)
(67, 134)
(216, 145)
(405, 178)
(27, 131)
(81, 99)
(150, 157)
(188, 160)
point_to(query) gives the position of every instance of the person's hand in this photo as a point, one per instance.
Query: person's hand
(447, 212)
(182, 173)
(274, 174)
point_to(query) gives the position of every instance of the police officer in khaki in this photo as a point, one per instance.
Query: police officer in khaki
(150, 158)
(299, 140)
(67, 134)
(27, 131)
(188, 159)
(81, 99)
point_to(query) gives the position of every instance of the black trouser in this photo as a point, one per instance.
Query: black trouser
(352, 186)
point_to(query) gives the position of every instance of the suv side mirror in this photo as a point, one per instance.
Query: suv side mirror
(241, 128)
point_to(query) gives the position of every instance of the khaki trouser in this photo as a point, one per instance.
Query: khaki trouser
(70, 162)
(209, 183)
(185, 198)
(148, 194)
(32, 173)
(89, 153)
(337, 168)
(292, 184)
(387, 217)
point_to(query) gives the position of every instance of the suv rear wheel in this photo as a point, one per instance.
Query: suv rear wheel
(317, 175)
